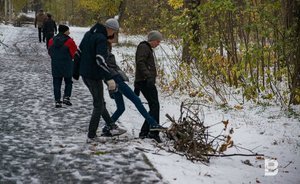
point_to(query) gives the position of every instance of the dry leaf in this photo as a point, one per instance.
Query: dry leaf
(225, 123)
(223, 148)
(238, 107)
(230, 144)
(228, 139)
(260, 158)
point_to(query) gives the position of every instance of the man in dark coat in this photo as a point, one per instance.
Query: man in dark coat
(62, 50)
(49, 28)
(93, 53)
(145, 77)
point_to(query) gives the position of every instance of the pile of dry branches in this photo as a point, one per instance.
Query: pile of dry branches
(191, 138)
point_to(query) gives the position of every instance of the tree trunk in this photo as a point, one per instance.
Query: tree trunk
(186, 54)
(295, 87)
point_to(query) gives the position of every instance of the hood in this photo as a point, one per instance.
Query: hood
(99, 28)
(60, 39)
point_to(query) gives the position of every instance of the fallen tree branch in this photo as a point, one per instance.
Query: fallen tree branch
(189, 137)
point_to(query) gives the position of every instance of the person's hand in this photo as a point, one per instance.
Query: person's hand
(150, 81)
(111, 85)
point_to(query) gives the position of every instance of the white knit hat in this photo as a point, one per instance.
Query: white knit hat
(112, 24)
(154, 35)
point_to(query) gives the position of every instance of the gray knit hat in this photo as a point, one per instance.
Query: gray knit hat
(154, 35)
(112, 24)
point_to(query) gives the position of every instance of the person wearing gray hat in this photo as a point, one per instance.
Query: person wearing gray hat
(92, 56)
(154, 35)
(145, 76)
(112, 24)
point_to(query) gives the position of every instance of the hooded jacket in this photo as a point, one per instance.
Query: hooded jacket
(62, 49)
(93, 54)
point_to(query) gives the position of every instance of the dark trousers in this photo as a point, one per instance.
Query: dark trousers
(48, 37)
(96, 89)
(151, 95)
(40, 34)
(124, 89)
(57, 82)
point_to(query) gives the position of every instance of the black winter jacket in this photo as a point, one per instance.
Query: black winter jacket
(94, 53)
(49, 27)
(114, 68)
(145, 64)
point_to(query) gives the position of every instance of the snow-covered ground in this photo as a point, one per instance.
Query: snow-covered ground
(41, 144)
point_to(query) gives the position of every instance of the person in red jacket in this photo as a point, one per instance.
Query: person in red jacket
(62, 49)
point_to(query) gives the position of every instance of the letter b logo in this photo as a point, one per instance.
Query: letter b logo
(271, 167)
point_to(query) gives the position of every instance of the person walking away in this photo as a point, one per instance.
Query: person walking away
(93, 69)
(49, 28)
(145, 76)
(62, 50)
(40, 18)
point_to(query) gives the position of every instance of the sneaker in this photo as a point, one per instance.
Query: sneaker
(96, 140)
(58, 104)
(114, 130)
(155, 137)
(67, 101)
(143, 135)
(91, 140)
(157, 127)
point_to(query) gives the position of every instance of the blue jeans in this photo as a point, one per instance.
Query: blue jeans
(57, 82)
(124, 89)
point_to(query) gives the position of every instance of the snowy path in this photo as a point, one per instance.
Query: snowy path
(41, 144)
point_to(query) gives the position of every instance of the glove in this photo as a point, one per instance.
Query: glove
(111, 85)
(150, 82)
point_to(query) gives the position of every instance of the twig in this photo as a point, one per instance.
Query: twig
(3, 43)
(235, 154)
(288, 164)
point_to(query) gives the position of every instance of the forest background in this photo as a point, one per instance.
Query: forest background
(246, 50)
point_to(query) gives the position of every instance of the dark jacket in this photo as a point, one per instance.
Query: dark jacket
(62, 50)
(93, 54)
(114, 68)
(145, 64)
(49, 26)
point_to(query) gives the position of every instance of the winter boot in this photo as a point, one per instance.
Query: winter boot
(67, 101)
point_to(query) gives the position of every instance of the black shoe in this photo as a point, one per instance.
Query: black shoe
(157, 127)
(155, 137)
(143, 135)
(67, 101)
(106, 131)
(58, 104)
